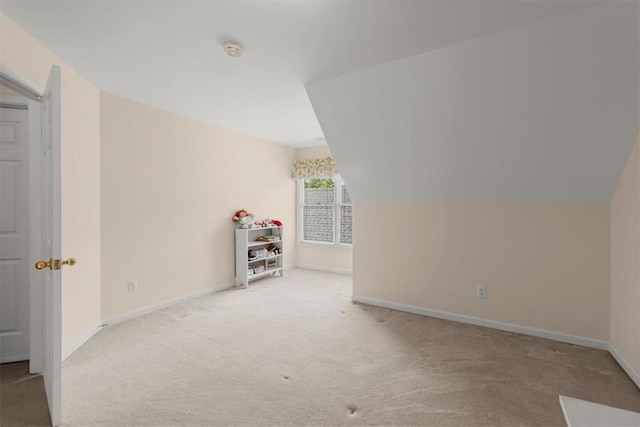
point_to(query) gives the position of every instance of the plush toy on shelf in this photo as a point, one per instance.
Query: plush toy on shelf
(264, 223)
(243, 219)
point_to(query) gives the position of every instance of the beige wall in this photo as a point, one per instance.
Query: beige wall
(170, 186)
(625, 263)
(317, 152)
(24, 56)
(546, 265)
(338, 260)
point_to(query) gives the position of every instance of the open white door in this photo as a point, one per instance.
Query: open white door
(51, 242)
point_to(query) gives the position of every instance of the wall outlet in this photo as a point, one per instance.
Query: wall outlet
(132, 285)
(481, 291)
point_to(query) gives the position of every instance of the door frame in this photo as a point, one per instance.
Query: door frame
(33, 97)
(33, 111)
(36, 284)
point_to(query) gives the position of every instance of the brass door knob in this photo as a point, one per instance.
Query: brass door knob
(41, 265)
(55, 264)
(69, 261)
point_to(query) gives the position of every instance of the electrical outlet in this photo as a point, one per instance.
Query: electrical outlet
(481, 291)
(132, 285)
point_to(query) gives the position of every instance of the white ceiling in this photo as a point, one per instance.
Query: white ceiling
(168, 53)
(543, 112)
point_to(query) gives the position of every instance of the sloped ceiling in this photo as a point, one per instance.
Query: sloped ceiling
(543, 112)
(168, 53)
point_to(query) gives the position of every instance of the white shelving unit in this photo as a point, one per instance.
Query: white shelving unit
(248, 269)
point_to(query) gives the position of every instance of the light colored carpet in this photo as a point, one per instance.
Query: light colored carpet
(297, 351)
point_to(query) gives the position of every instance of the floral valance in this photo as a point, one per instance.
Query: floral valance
(314, 168)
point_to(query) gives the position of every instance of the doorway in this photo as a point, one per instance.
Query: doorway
(34, 201)
(14, 226)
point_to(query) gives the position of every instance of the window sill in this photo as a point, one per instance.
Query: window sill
(326, 246)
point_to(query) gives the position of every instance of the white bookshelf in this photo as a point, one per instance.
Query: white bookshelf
(249, 269)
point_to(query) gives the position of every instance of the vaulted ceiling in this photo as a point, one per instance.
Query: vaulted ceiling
(543, 112)
(420, 101)
(169, 54)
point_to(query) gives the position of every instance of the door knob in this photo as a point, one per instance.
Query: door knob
(69, 261)
(41, 265)
(55, 264)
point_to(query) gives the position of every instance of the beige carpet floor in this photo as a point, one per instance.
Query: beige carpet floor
(297, 351)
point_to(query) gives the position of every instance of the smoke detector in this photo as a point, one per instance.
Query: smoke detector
(233, 49)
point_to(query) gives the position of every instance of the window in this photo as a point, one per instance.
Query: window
(325, 212)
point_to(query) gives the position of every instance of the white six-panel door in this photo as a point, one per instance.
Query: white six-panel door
(51, 241)
(14, 233)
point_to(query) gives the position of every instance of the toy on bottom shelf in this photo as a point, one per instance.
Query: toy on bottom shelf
(243, 219)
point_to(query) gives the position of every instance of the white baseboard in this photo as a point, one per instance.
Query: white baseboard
(156, 307)
(323, 268)
(13, 359)
(624, 365)
(509, 327)
(80, 342)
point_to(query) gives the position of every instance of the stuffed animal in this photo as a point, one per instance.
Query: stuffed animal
(245, 222)
(243, 218)
(240, 214)
(264, 223)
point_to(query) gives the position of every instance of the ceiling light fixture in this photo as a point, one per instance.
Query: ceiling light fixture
(233, 49)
